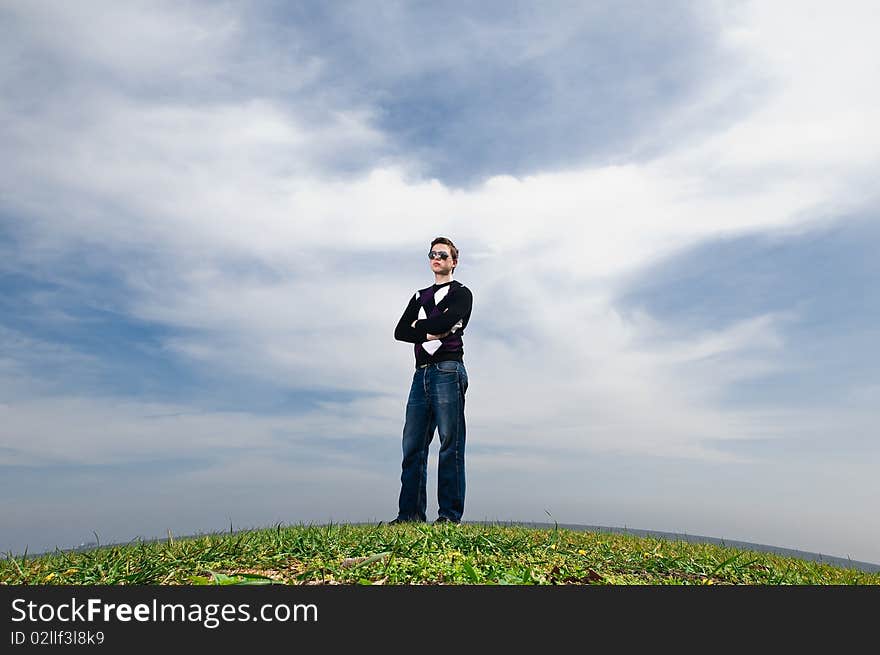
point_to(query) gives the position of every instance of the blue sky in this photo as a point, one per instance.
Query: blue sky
(212, 215)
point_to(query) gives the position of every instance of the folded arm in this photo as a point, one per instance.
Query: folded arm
(405, 330)
(458, 306)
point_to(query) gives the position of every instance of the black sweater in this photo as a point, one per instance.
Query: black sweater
(451, 312)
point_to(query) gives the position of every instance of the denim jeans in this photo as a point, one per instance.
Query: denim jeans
(436, 400)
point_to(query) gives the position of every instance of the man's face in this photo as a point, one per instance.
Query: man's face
(439, 265)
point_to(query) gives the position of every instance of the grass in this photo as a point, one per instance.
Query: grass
(421, 554)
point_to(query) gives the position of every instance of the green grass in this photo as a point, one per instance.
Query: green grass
(421, 554)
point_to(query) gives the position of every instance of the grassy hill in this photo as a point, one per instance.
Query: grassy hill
(464, 554)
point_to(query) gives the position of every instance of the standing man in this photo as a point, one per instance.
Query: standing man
(434, 320)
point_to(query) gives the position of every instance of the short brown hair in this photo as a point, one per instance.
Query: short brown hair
(452, 249)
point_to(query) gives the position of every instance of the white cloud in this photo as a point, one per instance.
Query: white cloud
(816, 127)
(129, 40)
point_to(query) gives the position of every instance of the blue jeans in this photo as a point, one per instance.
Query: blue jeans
(436, 400)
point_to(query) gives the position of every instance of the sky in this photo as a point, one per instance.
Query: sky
(212, 215)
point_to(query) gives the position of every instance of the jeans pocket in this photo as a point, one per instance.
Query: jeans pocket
(447, 367)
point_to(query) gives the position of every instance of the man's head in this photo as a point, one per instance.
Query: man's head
(443, 255)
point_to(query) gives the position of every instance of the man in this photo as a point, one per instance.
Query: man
(434, 320)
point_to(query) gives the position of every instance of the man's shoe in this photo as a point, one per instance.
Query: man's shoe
(443, 519)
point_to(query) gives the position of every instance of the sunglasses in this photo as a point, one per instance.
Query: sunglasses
(438, 255)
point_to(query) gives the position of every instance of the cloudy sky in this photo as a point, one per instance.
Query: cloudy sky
(213, 214)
